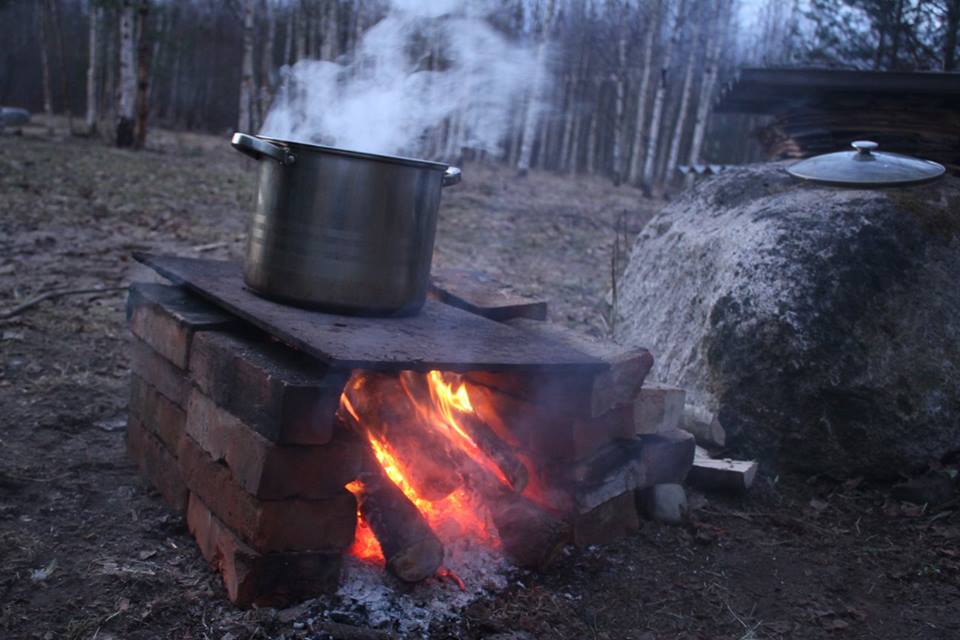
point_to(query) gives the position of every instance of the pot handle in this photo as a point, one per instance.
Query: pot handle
(451, 176)
(257, 148)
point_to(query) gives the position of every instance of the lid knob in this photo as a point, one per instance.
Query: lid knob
(864, 146)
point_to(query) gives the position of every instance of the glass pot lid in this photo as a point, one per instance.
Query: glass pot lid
(866, 167)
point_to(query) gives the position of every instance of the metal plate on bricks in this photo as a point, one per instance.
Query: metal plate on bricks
(439, 337)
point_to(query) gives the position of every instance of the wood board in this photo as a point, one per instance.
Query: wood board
(439, 337)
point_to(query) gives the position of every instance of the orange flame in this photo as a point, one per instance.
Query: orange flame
(458, 515)
(365, 546)
(446, 402)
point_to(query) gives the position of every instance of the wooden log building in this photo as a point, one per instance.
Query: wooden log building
(815, 111)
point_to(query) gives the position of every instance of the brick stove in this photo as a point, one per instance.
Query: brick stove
(237, 419)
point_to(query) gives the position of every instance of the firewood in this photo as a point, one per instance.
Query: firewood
(496, 449)
(704, 426)
(410, 548)
(531, 537)
(385, 410)
(483, 435)
(721, 474)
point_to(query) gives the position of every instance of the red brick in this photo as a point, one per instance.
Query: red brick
(157, 465)
(268, 525)
(166, 318)
(159, 372)
(267, 470)
(273, 579)
(590, 435)
(611, 388)
(284, 395)
(613, 519)
(158, 414)
(553, 428)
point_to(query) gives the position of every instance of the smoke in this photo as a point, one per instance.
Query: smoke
(423, 64)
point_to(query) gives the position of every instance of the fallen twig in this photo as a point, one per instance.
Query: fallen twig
(51, 295)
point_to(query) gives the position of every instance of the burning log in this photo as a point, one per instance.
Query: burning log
(410, 548)
(478, 433)
(506, 460)
(380, 406)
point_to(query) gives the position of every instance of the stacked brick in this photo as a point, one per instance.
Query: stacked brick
(601, 441)
(238, 434)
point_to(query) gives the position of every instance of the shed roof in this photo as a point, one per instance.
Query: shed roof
(772, 90)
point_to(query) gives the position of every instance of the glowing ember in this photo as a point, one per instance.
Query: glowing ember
(366, 547)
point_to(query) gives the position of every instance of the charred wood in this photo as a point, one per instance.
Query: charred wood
(410, 548)
(386, 413)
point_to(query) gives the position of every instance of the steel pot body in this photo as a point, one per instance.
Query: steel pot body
(343, 231)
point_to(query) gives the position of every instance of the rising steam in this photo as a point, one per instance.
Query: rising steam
(387, 98)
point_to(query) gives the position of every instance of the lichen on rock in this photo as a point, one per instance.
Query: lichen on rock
(821, 323)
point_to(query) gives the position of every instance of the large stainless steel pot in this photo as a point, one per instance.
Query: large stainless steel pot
(341, 230)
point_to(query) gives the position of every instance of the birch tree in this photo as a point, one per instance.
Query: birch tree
(143, 76)
(714, 42)
(653, 139)
(127, 85)
(62, 62)
(244, 122)
(685, 94)
(651, 33)
(265, 90)
(536, 91)
(619, 84)
(45, 65)
(93, 61)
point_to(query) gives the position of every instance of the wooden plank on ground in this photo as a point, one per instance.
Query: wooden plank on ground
(721, 474)
(478, 293)
(439, 337)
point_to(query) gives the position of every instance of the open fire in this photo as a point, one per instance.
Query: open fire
(463, 480)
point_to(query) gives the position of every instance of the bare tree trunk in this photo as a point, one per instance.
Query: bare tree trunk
(64, 76)
(288, 38)
(951, 24)
(704, 102)
(302, 28)
(897, 31)
(45, 65)
(143, 75)
(331, 30)
(674, 155)
(619, 97)
(536, 90)
(592, 135)
(93, 89)
(244, 122)
(649, 162)
(650, 39)
(128, 79)
(574, 155)
(108, 93)
(568, 116)
(356, 32)
(266, 62)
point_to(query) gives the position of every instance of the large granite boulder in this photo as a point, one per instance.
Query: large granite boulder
(821, 323)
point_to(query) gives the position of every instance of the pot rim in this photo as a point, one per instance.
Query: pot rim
(318, 148)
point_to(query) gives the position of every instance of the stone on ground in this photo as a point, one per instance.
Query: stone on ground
(821, 324)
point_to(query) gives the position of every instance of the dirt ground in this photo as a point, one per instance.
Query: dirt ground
(88, 551)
